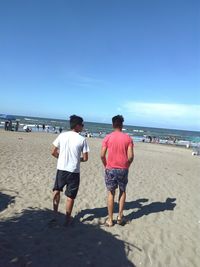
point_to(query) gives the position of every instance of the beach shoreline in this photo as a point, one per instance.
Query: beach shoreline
(96, 129)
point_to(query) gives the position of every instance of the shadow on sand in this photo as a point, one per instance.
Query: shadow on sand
(5, 200)
(142, 210)
(28, 240)
(153, 207)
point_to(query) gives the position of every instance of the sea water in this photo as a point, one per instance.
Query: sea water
(138, 133)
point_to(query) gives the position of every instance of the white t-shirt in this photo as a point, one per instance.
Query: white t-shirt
(70, 145)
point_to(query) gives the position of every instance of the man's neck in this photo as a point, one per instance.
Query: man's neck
(74, 131)
(117, 129)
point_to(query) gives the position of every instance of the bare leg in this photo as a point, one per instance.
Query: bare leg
(56, 200)
(111, 196)
(69, 205)
(122, 199)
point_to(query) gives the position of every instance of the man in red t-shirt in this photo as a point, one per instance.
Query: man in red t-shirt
(120, 156)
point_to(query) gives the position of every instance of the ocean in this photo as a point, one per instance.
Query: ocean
(138, 133)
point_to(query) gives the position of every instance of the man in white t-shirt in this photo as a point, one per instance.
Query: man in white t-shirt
(70, 148)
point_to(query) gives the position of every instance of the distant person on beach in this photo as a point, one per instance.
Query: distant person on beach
(27, 129)
(70, 148)
(6, 125)
(120, 156)
(10, 126)
(17, 126)
(60, 129)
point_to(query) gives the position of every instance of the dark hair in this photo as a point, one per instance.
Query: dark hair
(117, 121)
(75, 120)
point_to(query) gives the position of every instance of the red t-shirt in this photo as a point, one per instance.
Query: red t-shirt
(117, 144)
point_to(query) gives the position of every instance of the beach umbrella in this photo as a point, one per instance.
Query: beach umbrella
(7, 117)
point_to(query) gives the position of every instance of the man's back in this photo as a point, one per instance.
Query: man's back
(117, 144)
(70, 145)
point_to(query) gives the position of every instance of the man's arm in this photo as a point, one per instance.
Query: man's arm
(84, 158)
(130, 154)
(55, 152)
(103, 156)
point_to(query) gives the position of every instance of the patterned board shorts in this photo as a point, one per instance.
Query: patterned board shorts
(115, 178)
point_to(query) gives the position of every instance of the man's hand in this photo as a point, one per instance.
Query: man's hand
(103, 156)
(84, 158)
(55, 152)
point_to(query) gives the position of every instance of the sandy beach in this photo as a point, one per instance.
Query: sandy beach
(162, 208)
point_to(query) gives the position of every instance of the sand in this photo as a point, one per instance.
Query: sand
(162, 208)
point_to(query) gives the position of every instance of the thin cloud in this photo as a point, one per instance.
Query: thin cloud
(83, 80)
(170, 115)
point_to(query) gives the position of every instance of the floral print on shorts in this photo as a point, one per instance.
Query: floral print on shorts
(115, 178)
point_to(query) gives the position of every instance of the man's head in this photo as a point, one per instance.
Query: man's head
(117, 121)
(75, 121)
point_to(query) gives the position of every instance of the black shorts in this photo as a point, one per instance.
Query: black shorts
(70, 179)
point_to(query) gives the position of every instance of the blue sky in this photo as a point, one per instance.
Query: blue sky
(99, 58)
